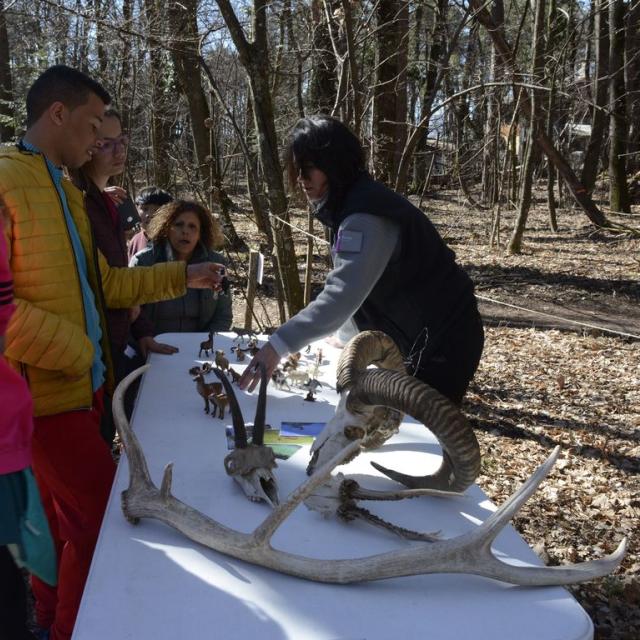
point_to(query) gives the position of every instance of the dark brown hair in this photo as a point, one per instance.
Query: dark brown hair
(211, 235)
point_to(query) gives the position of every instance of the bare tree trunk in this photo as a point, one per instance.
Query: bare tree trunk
(7, 115)
(577, 188)
(160, 122)
(619, 199)
(554, 31)
(100, 12)
(436, 49)
(186, 60)
(532, 154)
(124, 89)
(390, 93)
(355, 105)
(492, 122)
(254, 57)
(632, 69)
(322, 88)
(418, 132)
(600, 88)
(293, 45)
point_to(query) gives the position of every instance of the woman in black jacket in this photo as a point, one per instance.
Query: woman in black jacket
(392, 270)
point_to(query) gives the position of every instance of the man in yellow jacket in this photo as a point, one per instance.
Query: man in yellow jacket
(57, 338)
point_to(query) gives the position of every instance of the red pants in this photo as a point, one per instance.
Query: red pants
(74, 470)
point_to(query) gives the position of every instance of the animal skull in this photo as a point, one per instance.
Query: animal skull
(372, 425)
(338, 496)
(251, 465)
(372, 403)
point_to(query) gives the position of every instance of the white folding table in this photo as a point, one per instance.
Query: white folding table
(149, 582)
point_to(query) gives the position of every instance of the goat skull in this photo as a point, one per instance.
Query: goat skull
(251, 465)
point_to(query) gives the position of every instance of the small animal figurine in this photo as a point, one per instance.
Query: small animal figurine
(219, 402)
(239, 353)
(297, 378)
(206, 390)
(280, 378)
(253, 347)
(206, 346)
(235, 376)
(292, 361)
(241, 334)
(312, 386)
(221, 361)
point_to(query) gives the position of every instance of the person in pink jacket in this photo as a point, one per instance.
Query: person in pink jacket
(24, 532)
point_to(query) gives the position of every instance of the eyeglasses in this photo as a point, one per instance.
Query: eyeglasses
(110, 145)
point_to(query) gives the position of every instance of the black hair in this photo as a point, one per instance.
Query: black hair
(332, 147)
(153, 195)
(61, 84)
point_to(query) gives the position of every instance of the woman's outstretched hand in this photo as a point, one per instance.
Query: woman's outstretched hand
(251, 376)
(205, 275)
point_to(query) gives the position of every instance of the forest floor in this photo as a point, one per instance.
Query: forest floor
(550, 375)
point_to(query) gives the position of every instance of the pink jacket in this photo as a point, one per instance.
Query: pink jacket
(16, 423)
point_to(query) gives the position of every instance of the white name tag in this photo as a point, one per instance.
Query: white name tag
(349, 241)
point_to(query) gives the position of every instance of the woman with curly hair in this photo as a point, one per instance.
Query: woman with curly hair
(186, 231)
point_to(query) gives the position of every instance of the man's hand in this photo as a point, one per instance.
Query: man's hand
(206, 275)
(149, 345)
(251, 375)
(117, 194)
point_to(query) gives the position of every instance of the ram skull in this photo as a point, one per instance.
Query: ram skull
(371, 407)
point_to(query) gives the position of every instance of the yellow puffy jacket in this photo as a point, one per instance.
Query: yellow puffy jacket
(46, 338)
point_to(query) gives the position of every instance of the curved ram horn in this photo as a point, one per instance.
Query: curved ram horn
(368, 347)
(461, 453)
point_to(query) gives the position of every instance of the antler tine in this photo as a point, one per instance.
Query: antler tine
(564, 574)
(138, 470)
(497, 520)
(265, 531)
(261, 408)
(239, 430)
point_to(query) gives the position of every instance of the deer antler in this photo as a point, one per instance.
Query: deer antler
(468, 553)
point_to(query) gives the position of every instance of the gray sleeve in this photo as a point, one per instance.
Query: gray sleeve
(358, 264)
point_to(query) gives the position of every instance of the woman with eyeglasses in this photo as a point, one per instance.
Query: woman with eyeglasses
(102, 201)
(392, 270)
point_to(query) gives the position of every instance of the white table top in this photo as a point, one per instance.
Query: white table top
(148, 581)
